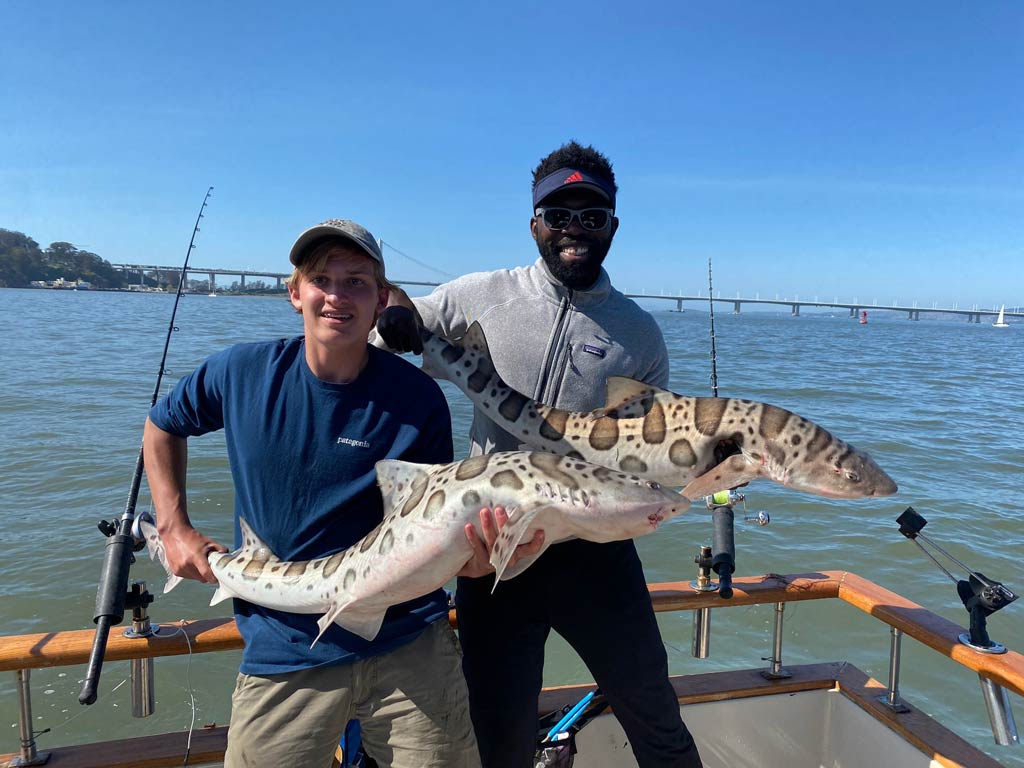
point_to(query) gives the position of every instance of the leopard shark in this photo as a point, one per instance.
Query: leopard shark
(700, 444)
(420, 544)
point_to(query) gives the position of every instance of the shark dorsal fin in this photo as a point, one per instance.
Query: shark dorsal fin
(624, 392)
(397, 479)
(252, 542)
(475, 340)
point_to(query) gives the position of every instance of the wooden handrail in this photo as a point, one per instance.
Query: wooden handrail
(208, 635)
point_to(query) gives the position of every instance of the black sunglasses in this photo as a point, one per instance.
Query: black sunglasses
(561, 218)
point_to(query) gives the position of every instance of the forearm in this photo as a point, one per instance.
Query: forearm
(166, 458)
(186, 549)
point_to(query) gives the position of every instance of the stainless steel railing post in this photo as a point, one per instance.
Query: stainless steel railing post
(997, 702)
(892, 698)
(775, 669)
(700, 644)
(28, 754)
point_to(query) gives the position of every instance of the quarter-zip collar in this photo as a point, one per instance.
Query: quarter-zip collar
(581, 299)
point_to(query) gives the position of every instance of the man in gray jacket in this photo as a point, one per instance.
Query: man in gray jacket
(556, 331)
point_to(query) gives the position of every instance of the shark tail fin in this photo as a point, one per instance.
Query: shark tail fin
(155, 547)
(510, 537)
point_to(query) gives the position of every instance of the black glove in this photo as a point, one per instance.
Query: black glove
(400, 330)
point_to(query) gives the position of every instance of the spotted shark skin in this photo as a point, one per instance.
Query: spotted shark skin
(700, 444)
(420, 545)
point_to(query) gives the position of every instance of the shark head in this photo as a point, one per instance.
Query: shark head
(847, 474)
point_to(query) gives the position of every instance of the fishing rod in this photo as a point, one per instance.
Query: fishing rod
(112, 595)
(714, 359)
(723, 543)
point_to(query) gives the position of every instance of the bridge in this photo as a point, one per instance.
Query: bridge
(912, 312)
(140, 270)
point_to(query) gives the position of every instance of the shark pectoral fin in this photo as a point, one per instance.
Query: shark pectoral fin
(510, 537)
(326, 620)
(366, 625)
(734, 471)
(521, 565)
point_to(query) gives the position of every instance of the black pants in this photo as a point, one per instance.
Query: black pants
(594, 596)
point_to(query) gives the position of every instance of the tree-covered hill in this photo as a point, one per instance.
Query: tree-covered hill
(22, 261)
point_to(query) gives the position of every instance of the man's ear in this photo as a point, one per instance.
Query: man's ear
(382, 302)
(293, 297)
(533, 228)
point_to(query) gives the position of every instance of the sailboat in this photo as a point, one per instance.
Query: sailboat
(1000, 322)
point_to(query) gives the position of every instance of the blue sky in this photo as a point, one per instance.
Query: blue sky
(871, 149)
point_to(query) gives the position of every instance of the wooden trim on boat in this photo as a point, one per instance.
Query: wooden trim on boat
(946, 748)
(62, 649)
(165, 750)
(209, 635)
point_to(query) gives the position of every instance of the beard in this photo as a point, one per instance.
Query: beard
(578, 273)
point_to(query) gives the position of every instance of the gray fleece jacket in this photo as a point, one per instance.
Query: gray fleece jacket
(547, 341)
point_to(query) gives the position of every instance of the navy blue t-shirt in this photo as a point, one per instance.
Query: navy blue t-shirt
(302, 454)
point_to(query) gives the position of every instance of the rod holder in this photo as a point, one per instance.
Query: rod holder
(700, 645)
(775, 669)
(28, 755)
(142, 681)
(892, 697)
(1000, 715)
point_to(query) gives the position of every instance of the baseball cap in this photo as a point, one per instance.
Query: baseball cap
(565, 177)
(343, 228)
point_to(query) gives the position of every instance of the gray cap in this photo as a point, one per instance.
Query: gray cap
(343, 228)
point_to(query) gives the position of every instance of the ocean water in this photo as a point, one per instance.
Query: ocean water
(939, 404)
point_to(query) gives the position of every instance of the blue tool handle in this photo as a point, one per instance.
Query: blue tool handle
(570, 716)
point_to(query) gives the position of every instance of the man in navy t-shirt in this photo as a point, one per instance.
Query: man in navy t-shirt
(305, 420)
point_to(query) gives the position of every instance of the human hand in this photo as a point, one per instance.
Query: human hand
(399, 324)
(482, 544)
(187, 550)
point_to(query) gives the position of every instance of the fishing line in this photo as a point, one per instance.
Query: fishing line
(54, 728)
(188, 684)
(417, 261)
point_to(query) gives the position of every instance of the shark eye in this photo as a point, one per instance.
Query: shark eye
(653, 485)
(852, 476)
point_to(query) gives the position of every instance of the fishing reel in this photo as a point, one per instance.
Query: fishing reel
(110, 528)
(733, 497)
(980, 595)
(720, 557)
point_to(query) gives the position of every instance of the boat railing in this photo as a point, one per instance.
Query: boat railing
(998, 673)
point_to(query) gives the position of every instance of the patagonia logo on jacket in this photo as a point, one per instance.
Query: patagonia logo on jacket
(354, 443)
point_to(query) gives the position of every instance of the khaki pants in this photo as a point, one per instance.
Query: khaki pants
(411, 703)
